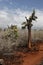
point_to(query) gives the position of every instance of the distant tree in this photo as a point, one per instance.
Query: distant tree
(29, 24)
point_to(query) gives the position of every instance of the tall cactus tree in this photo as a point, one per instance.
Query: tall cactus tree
(29, 24)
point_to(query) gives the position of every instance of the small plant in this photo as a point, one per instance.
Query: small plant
(11, 33)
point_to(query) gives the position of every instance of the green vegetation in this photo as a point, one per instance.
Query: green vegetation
(11, 32)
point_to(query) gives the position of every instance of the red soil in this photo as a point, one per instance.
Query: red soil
(31, 58)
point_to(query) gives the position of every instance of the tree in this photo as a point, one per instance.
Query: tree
(29, 24)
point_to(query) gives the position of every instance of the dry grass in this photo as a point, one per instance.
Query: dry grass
(7, 42)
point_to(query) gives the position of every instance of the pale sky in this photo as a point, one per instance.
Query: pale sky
(14, 12)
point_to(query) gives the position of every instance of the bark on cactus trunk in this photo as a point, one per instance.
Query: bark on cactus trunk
(29, 37)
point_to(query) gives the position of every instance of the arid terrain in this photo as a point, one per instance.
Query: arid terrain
(34, 58)
(24, 58)
(18, 54)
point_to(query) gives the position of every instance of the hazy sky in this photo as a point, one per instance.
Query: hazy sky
(14, 12)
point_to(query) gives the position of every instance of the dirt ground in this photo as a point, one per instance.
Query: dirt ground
(29, 58)
(34, 58)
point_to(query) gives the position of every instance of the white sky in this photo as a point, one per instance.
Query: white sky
(17, 16)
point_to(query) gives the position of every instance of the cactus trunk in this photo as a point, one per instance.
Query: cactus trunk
(29, 38)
